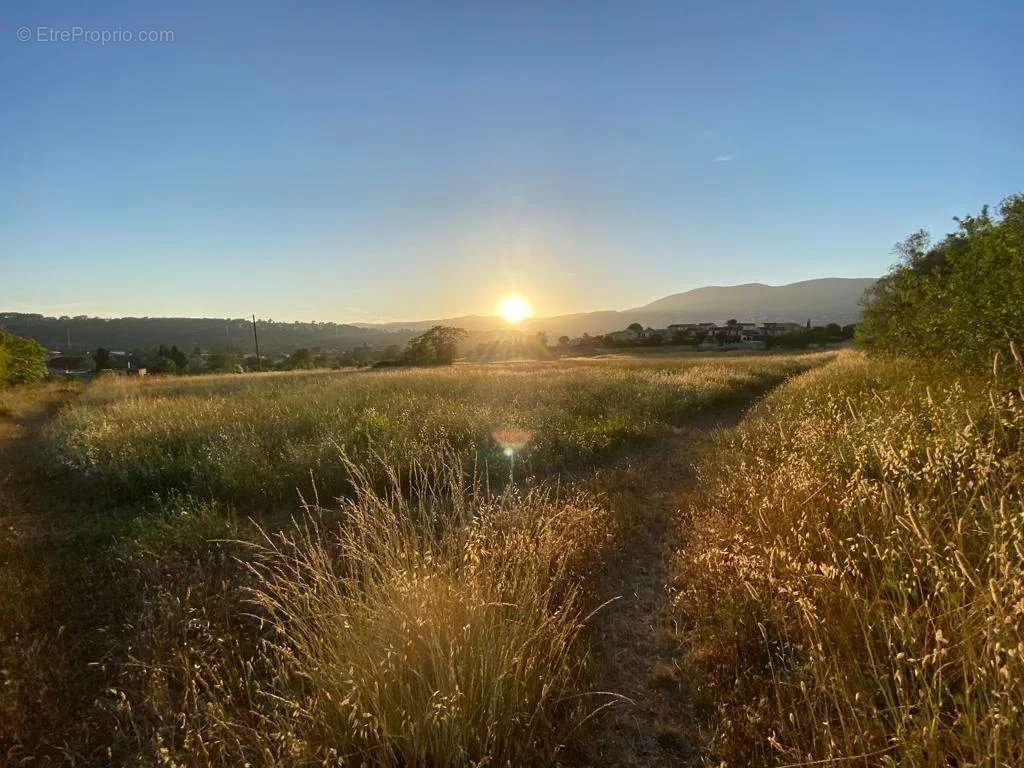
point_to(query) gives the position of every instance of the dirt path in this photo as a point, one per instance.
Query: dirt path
(26, 498)
(634, 652)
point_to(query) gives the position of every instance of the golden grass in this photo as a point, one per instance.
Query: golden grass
(261, 437)
(428, 623)
(432, 616)
(853, 590)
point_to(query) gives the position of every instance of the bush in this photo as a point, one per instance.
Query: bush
(959, 300)
(22, 361)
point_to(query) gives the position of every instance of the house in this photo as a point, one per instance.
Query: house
(623, 336)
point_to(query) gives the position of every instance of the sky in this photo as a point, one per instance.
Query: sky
(375, 161)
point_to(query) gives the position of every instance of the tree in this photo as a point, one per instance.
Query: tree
(563, 341)
(171, 360)
(224, 361)
(635, 328)
(301, 358)
(22, 361)
(438, 346)
(102, 359)
(957, 300)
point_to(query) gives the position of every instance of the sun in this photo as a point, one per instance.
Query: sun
(514, 309)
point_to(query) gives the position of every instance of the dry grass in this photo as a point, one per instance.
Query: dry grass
(429, 623)
(261, 437)
(853, 589)
(432, 616)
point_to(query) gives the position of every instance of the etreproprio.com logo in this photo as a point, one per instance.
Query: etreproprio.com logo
(77, 34)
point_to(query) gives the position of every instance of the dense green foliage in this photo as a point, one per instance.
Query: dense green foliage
(21, 360)
(961, 299)
(437, 346)
(832, 333)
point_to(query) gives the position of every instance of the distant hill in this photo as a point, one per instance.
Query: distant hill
(832, 299)
(131, 334)
(827, 300)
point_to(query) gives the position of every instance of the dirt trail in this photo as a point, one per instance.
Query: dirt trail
(26, 498)
(634, 652)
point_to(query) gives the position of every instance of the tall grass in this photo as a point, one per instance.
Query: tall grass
(852, 592)
(253, 438)
(428, 623)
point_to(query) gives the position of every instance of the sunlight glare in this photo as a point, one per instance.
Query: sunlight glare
(514, 309)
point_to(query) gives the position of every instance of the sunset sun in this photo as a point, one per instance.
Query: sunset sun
(514, 309)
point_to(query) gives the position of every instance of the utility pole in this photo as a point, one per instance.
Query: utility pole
(259, 361)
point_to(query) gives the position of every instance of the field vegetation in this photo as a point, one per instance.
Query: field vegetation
(852, 586)
(246, 439)
(432, 613)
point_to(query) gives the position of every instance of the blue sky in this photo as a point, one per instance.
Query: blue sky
(371, 161)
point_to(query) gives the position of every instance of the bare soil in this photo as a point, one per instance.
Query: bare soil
(633, 649)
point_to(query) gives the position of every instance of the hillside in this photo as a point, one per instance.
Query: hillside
(81, 334)
(827, 300)
(822, 301)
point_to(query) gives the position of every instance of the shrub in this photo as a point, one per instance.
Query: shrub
(959, 300)
(22, 361)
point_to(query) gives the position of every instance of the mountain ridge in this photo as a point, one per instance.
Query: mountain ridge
(820, 300)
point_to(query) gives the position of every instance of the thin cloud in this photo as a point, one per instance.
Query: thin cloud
(723, 158)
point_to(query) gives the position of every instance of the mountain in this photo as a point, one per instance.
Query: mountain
(826, 300)
(829, 300)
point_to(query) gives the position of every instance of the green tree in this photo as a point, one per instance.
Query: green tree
(102, 359)
(438, 346)
(22, 361)
(301, 358)
(223, 361)
(959, 299)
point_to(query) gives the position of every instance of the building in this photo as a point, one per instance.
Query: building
(624, 336)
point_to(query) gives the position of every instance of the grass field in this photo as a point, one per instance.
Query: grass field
(852, 590)
(847, 588)
(434, 614)
(259, 439)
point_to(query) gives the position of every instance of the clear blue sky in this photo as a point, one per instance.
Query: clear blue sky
(366, 161)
